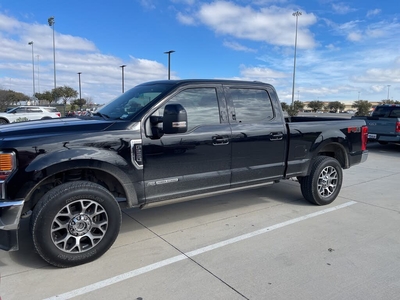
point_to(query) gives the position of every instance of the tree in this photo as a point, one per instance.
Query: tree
(46, 96)
(316, 105)
(64, 92)
(294, 110)
(79, 102)
(389, 102)
(10, 97)
(336, 106)
(362, 106)
(284, 106)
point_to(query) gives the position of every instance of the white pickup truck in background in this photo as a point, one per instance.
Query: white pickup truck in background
(27, 113)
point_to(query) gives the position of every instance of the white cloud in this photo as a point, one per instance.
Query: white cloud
(238, 47)
(185, 19)
(373, 12)
(342, 8)
(354, 36)
(272, 24)
(101, 74)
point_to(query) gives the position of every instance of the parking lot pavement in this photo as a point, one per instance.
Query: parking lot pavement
(266, 243)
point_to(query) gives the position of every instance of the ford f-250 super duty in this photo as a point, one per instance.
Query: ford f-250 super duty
(162, 140)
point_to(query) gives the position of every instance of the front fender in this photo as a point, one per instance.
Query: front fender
(49, 164)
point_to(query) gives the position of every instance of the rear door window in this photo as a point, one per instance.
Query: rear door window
(251, 105)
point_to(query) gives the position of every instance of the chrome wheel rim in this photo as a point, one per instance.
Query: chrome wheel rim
(327, 182)
(79, 226)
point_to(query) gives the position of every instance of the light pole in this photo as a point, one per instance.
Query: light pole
(169, 62)
(296, 14)
(123, 79)
(80, 90)
(358, 96)
(51, 24)
(38, 72)
(33, 70)
(388, 86)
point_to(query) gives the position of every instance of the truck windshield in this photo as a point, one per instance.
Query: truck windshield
(133, 101)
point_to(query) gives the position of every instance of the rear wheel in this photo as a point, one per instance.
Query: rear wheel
(3, 121)
(75, 223)
(323, 184)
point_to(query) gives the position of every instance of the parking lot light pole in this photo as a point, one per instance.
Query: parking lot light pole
(80, 90)
(169, 62)
(123, 79)
(51, 24)
(296, 14)
(33, 69)
(388, 86)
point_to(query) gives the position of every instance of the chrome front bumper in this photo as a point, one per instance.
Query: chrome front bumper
(10, 214)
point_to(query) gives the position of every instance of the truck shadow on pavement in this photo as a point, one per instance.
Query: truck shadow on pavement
(389, 149)
(285, 192)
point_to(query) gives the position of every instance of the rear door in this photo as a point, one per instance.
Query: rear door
(195, 162)
(258, 135)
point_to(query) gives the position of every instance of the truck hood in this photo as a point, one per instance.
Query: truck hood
(61, 126)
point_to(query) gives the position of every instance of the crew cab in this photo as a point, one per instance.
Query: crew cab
(27, 113)
(161, 142)
(384, 124)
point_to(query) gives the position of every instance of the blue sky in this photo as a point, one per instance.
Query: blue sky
(346, 50)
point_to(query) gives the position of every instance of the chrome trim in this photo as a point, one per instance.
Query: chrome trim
(364, 156)
(2, 190)
(204, 195)
(10, 214)
(133, 158)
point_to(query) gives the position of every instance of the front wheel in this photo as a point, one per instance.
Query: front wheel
(323, 184)
(75, 223)
(3, 121)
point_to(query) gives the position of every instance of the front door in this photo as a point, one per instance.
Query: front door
(195, 162)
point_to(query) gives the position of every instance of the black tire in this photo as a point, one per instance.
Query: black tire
(323, 184)
(383, 143)
(3, 121)
(75, 223)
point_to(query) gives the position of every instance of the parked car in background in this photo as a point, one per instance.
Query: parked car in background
(384, 124)
(27, 113)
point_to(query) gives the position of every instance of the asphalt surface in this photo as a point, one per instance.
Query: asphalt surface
(266, 243)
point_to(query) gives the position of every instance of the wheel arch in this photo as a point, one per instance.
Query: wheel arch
(109, 176)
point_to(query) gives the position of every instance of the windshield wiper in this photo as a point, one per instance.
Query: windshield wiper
(104, 116)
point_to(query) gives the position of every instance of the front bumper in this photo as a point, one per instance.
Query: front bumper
(10, 214)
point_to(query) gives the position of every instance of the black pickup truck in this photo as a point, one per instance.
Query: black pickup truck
(160, 141)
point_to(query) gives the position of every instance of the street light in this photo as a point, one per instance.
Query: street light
(388, 91)
(123, 80)
(296, 14)
(80, 90)
(33, 69)
(169, 62)
(38, 72)
(51, 24)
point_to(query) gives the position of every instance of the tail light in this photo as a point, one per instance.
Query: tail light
(58, 114)
(364, 137)
(7, 164)
(397, 126)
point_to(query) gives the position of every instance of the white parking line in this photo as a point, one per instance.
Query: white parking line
(169, 261)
